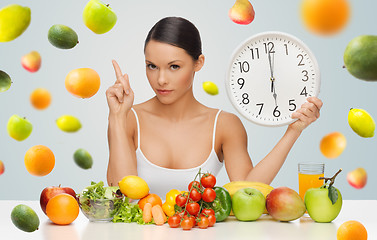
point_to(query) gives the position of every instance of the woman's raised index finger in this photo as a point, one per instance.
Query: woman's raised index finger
(118, 72)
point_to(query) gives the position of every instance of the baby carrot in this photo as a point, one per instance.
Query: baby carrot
(158, 215)
(147, 213)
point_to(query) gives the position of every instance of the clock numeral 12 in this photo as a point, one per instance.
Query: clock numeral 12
(269, 47)
(244, 66)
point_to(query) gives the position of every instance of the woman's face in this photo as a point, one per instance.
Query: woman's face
(170, 70)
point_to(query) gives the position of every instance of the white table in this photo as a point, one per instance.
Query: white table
(363, 211)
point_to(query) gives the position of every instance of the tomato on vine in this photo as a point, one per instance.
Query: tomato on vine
(181, 200)
(195, 195)
(194, 184)
(186, 224)
(209, 195)
(174, 221)
(203, 222)
(193, 208)
(208, 180)
(208, 211)
(211, 220)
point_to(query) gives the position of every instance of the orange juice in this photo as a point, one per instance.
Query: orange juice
(306, 181)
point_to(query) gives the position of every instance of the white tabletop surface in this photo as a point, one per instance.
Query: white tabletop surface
(364, 211)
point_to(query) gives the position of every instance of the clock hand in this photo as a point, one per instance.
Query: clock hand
(272, 78)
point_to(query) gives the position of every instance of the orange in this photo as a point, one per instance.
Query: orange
(82, 82)
(325, 17)
(151, 198)
(39, 160)
(40, 98)
(352, 230)
(62, 209)
(333, 144)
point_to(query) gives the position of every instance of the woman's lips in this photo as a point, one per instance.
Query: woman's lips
(163, 91)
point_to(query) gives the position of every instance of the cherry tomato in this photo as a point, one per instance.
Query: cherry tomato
(181, 200)
(174, 221)
(194, 183)
(208, 195)
(208, 211)
(208, 180)
(203, 222)
(182, 213)
(186, 224)
(212, 220)
(193, 208)
(195, 195)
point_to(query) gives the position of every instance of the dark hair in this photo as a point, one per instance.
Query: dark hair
(178, 32)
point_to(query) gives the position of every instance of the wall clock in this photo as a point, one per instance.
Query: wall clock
(270, 76)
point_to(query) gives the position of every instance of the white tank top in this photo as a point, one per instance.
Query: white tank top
(161, 180)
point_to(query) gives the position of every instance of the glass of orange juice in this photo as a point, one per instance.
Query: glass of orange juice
(308, 176)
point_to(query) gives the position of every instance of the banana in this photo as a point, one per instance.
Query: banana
(234, 186)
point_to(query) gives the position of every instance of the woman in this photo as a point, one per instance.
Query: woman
(167, 138)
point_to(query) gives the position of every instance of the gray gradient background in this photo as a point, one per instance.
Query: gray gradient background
(339, 91)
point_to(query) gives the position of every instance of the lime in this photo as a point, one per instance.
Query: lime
(5, 81)
(68, 123)
(14, 20)
(210, 88)
(62, 36)
(24, 218)
(83, 159)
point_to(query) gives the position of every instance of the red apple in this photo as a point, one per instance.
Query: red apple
(284, 204)
(31, 61)
(50, 192)
(357, 178)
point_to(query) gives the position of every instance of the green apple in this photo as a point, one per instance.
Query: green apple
(319, 205)
(248, 204)
(98, 17)
(19, 128)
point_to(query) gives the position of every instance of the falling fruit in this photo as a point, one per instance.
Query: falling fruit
(83, 158)
(39, 160)
(31, 61)
(2, 168)
(19, 128)
(62, 36)
(5, 81)
(98, 17)
(210, 88)
(357, 178)
(242, 12)
(360, 57)
(325, 17)
(25, 218)
(333, 144)
(361, 122)
(40, 98)
(14, 20)
(82, 82)
(68, 123)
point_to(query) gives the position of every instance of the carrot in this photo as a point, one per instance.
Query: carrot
(147, 213)
(158, 215)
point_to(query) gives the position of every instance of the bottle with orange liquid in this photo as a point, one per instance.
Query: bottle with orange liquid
(308, 176)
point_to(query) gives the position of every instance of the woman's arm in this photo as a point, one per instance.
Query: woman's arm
(237, 159)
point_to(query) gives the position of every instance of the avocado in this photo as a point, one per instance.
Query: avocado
(62, 36)
(24, 218)
(83, 158)
(360, 57)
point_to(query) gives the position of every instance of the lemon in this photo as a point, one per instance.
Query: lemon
(14, 20)
(68, 123)
(361, 122)
(5, 81)
(210, 88)
(133, 187)
(83, 159)
(24, 218)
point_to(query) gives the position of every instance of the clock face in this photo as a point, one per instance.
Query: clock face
(270, 76)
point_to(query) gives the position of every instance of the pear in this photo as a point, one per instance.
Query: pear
(361, 122)
(14, 20)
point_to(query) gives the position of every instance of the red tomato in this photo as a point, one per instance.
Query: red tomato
(208, 180)
(181, 200)
(193, 208)
(203, 222)
(195, 195)
(194, 183)
(208, 195)
(208, 211)
(212, 220)
(174, 221)
(186, 224)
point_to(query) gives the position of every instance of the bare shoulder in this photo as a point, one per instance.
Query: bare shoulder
(230, 125)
